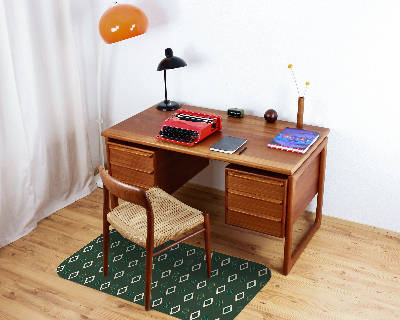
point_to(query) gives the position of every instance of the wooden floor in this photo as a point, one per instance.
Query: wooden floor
(344, 273)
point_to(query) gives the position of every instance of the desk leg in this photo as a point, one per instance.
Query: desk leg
(289, 259)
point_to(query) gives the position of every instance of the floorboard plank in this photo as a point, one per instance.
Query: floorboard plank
(347, 271)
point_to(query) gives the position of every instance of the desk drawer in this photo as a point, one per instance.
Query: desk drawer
(133, 177)
(260, 185)
(249, 220)
(269, 208)
(255, 199)
(130, 157)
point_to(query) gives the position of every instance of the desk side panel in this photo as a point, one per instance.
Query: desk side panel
(306, 182)
(174, 169)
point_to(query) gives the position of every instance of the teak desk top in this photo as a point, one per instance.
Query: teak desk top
(144, 126)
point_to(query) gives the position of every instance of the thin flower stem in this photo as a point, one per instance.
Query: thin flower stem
(307, 84)
(295, 82)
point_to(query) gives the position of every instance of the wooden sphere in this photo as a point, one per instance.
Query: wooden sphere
(270, 115)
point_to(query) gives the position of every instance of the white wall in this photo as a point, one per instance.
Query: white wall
(237, 54)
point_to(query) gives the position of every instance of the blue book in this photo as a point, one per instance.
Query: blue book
(294, 140)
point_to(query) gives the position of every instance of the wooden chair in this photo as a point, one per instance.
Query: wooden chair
(149, 219)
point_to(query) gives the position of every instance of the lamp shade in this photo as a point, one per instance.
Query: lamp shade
(170, 61)
(122, 21)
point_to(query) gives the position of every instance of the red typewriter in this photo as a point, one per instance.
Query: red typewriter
(189, 127)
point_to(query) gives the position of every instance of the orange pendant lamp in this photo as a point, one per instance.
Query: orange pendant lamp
(122, 21)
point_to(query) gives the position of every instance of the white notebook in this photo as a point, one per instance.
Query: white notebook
(228, 144)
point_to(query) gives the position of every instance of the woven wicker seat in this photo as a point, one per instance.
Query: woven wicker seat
(149, 219)
(171, 218)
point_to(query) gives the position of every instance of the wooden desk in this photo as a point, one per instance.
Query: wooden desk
(137, 157)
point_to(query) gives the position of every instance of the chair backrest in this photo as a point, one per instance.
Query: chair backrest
(125, 192)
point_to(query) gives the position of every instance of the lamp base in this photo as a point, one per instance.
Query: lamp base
(168, 105)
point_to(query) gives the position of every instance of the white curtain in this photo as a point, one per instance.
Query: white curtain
(45, 161)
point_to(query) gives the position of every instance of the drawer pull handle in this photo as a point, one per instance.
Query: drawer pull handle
(140, 153)
(258, 216)
(257, 198)
(276, 183)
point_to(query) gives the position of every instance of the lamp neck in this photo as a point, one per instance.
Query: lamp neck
(165, 84)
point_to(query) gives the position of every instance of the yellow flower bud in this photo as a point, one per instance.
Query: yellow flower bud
(289, 66)
(307, 83)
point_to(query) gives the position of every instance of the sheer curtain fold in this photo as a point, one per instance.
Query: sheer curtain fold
(45, 159)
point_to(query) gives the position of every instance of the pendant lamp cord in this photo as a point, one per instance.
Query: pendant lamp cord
(99, 119)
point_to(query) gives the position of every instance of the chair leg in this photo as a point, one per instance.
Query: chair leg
(207, 242)
(148, 275)
(106, 245)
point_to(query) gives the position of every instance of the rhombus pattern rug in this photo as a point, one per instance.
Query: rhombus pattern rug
(180, 286)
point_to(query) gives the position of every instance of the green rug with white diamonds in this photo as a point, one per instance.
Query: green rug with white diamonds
(180, 286)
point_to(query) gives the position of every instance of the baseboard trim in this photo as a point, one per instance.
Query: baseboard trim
(344, 222)
(362, 226)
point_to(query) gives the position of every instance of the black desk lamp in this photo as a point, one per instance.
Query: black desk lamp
(169, 62)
